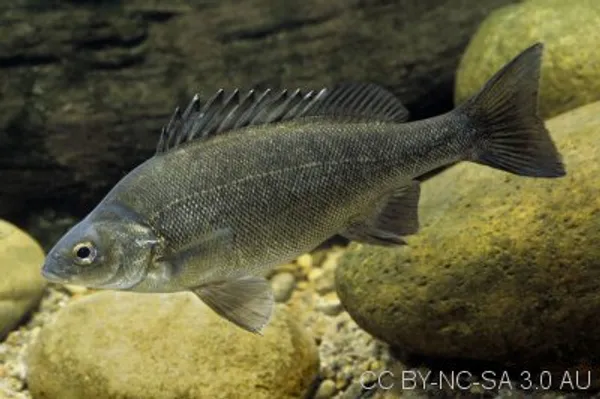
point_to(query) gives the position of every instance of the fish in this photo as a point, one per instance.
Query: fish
(248, 180)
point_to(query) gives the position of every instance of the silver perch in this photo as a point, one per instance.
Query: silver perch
(249, 180)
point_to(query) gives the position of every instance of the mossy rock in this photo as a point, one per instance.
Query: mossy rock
(570, 31)
(166, 346)
(21, 284)
(504, 269)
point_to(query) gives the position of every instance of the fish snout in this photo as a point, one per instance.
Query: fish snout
(51, 274)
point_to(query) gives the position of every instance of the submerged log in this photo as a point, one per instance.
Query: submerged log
(84, 89)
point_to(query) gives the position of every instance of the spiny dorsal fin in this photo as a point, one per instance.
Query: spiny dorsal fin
(224, 112)
(230, 111)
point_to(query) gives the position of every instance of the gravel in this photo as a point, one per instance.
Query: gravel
(13, 350)
(283, 285)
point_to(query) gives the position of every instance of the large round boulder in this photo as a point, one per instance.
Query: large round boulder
(570, 31)
(162, 346)
(504, 269)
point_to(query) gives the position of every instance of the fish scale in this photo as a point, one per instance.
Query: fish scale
(352, 163)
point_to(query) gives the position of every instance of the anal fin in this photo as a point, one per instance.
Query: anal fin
(246, 302)
(395, 217)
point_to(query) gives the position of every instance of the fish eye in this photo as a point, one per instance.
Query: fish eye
(84, 253)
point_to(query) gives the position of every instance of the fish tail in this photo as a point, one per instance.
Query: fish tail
(509, 134)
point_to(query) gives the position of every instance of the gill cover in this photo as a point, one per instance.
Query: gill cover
(110, 248)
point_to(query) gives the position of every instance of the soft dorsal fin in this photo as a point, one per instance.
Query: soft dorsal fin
(357, 101)
(225, 112)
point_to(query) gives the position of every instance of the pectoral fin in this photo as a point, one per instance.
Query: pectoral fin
(247, 301)
(393, 218)
(218, 243)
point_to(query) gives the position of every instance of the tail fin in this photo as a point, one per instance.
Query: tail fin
(510, 134)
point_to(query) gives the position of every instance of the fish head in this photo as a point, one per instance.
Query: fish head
(113, 253)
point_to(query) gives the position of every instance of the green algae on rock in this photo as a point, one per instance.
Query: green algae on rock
(125, 345)
(504, 269)
(21, 284)
(569, 30)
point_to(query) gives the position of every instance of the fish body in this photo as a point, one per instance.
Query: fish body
(310, 180)
(239, 185)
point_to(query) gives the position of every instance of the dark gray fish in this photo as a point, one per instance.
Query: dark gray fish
(247, 181)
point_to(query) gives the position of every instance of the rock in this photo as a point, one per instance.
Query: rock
(21, 284)
(326, 282)
(305, 261)
(570, 76)
(126, 345)
(283, 286)
(326, 390)
(323, 279)
(14, 348)
(504, 269)
(315, 274)
(347, 352)
(85, 90)
(329, 304)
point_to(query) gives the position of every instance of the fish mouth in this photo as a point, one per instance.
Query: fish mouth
(51, 276)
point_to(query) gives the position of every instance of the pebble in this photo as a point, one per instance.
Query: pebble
(305, 261)
(346, 351)
(323, 278)
(315, 274)
(326, 390)
(76, 289)
(283, 286)
(319, 256)
(330, 304)
(354, 391)
(375, 365)
(14, 348)
(325, 283)
(331, 260)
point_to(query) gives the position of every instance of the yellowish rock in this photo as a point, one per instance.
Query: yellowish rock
(305, 261)
(331, 260)
(76, 289)
(326, 390)
(21, 284)
(505, 268)
(329, 304)
(315, 274)
(125, 345)
(570, 31)
(283, 285)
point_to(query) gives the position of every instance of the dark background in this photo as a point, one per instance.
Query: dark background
(85, 86)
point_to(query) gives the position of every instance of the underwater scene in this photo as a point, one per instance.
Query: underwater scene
(307, 199)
